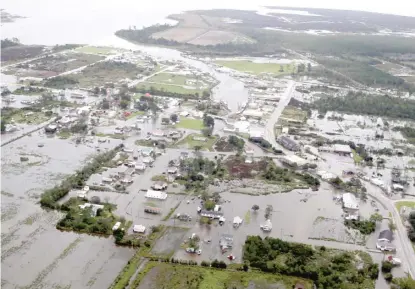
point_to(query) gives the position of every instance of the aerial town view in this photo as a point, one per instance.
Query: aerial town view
(267, 148)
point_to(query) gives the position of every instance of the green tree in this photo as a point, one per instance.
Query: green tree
(209, 205)
(255, 208)
(3, 125)
(376, 217)
(404, 283)
(174, 117)
(387, 267)
(124, 104)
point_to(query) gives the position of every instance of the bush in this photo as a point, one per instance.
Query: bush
(387, 267)
(388, 277)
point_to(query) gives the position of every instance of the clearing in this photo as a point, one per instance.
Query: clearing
(257, 67)
(292, 114)
(99, 50)
(193, 140)
(53, 65)
(158, 276)
(190, 123)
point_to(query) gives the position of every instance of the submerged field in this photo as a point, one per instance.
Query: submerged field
(168, 276)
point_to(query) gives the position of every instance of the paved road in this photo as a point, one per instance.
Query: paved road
(402, 242)
(269, 128)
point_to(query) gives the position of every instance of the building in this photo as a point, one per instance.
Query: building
(139, 229)
(294, 161)
(94, 208)
(226, 242)
(385, 236)
(288, 143)
(152, 210)
(172, 171)
(157, 133)
(342, 149)
(350, 202)
(156, 195)
(51, 128)
(237, 221)
(159, 186)
(253, 113)
(211, 214)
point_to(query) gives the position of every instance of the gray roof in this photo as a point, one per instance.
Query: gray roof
(386, 234)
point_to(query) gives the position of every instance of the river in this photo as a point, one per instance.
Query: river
(57, 22)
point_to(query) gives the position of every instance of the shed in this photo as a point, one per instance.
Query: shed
(237, 221)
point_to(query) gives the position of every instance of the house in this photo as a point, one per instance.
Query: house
(385, 246)
(157, 133)
(146, 152)
(211, 214)
(256, 135)
(172, 171)
(51, 128)
(148, 160)
(267, 227)
(237, 221)
(350, 202)
(159, 186)
(156, 195)
(226, 242)
(139, 229)
(385, 236)
(340, 149)
(140, 167)
(288, 143)
(94, 208)
(294, 161)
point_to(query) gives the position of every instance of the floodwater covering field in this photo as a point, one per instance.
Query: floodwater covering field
(34, 253)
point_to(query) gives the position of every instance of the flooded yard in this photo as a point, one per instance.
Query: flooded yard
(34, 253)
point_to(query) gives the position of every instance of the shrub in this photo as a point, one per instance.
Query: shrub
(387, 267)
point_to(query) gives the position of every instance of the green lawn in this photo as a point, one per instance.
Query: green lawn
(258, 68)
(401, 204)
(100, 50)
(170, 78)
(169, 88)
(356, 157)
(190, 123)
(135, 114)
(172, 276)
(191, 143)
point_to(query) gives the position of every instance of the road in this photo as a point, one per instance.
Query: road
(269, 128)
(135, 82)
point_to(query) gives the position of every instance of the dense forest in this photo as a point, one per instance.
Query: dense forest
(327, 268)
(360, 103)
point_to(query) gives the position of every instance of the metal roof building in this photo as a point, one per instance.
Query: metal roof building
(156, 195)
(350, 202)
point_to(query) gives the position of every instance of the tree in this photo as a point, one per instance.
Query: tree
(387, 267)
(197, 148)
(255, 208)
(376, 217)
(404, 283)
(207, 131)
(105, 104)
(268, 211)
(205, 94)
(208, 121)
(124, 104)
(174, 117)
(96, 90)
(3, 125)
(309, 67)
(209, 205)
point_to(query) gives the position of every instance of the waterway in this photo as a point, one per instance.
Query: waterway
(96, 23)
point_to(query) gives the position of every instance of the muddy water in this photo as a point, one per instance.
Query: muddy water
(34, 253)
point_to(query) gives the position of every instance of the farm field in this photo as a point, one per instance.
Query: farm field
(157, 276)
(257, 68)
(291, 113)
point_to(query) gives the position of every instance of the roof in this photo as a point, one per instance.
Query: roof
(349, 201)
(293, 159)
(156, 195)
(139, 228)
(386, 234)
(342, 148)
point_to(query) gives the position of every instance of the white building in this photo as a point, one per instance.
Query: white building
(350, 201)
(156, 195)
(237, 221)
(139, 229)
(342, 149)
(294, 161)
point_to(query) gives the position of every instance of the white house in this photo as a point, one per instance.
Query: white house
(139, 229)
(156, 195)
(350, 202)
(237, 221)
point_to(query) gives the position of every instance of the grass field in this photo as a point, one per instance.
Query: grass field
(171, 78)
(356, 157)
(190, 123)
(258, 68)
(401, 204)
(162, 275)
(293, 113)
(191, 143)
(169, 88)
(99, 50)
